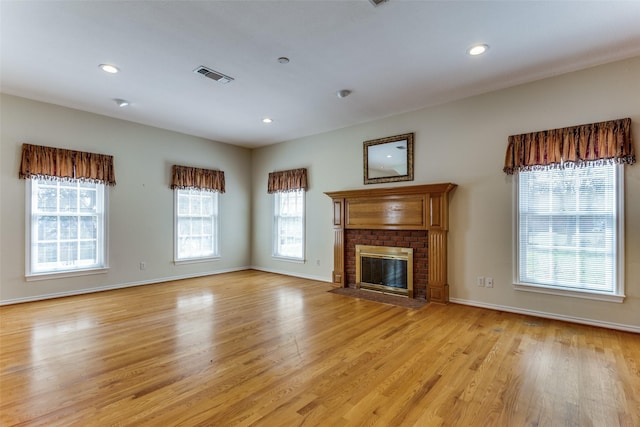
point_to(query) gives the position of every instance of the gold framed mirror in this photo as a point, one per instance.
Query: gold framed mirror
(388, 159)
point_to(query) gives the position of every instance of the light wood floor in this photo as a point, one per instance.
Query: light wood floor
(253, 348)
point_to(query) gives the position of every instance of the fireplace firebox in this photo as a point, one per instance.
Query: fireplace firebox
(385, 269)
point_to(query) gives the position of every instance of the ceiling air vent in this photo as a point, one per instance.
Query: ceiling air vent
(213, 75)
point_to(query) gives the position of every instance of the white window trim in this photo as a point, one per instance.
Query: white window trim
(64, 274)
(32, 277)
(194, 260)
(291, 259)
(303, 258)
(618, 295)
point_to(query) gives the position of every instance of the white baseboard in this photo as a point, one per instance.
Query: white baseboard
(288, 273)
(117, 286)
(544, 314)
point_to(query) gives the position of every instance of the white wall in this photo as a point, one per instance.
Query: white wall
(464, 142)
(140, 205)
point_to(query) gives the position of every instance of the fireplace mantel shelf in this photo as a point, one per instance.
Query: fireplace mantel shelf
(445, 187)
(416, 207)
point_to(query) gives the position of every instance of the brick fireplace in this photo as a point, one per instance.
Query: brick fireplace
(416, 240)
(411, 216)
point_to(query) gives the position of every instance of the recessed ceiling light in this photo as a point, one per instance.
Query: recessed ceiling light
(477, 49)
(108, 68)
(121, 102)
(267, 120)
(343, 93)
(283, 60)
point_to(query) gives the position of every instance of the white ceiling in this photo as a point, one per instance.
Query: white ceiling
(400, 56)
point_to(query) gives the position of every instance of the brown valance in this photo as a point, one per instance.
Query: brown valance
(576, 146)
(59, 163)
(290, 180)
(184, 177)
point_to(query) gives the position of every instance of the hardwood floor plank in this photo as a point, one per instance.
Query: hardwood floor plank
(258, 349)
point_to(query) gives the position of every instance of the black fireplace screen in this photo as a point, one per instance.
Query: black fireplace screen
(384, 271)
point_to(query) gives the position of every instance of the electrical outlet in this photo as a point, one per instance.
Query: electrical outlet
(489, 282)
(143, 265)
(480, 281)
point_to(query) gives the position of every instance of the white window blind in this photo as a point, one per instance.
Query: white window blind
(568, 228)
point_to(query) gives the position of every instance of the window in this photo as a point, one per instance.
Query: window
(288, 224)
(570, 230)
(67, 226)
(196, 224)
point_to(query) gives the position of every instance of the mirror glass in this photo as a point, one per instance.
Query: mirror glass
(388, 159)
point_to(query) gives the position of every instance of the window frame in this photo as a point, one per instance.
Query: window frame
(31, 232)
(617, 295)
(215, 218)
(274, 224)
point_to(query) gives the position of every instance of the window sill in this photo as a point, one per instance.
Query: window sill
(64, 274)
(287, 259)
(569, 292)
(195, 260)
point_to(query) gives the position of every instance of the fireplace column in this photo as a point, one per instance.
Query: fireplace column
(437, 286)
(338, 244)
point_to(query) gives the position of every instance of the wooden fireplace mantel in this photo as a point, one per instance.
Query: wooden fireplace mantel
(416, 207)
